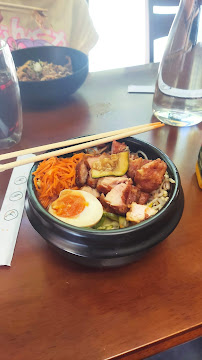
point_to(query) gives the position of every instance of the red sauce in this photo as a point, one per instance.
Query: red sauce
(69, 205)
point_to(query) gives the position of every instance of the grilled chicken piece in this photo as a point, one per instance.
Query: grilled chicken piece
(144, 197)
(150, 176)
(90, 159)
(118, 147)
(139, 213)
(134, 195)
(133, 156)
(88, 189)
(81, 173)
(117, 198)
(106, 184)
(134, 165)
(105, 205)
(90, 181)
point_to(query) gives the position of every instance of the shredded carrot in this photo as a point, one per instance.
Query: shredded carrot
(54, 175)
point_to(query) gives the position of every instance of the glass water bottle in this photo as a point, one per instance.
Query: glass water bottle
(178, 94)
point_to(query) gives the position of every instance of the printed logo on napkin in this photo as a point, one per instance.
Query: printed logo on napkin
(12, 210)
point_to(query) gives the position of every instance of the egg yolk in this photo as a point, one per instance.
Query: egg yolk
(69, 205)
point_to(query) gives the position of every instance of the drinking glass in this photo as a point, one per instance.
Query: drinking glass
(10, 101)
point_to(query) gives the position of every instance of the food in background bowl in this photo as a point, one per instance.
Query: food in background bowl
(36, 94)
(112, 247)
(128, 186)
(42, 70)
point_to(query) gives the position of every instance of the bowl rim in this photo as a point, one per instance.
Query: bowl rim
(82, 230)
(53, 80)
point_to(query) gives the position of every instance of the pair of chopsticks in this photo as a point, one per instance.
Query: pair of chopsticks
(22, 8)
(83, 143)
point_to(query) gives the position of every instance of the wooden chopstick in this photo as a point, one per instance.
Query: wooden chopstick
(72, 142)
(7, 6)
(80, 147)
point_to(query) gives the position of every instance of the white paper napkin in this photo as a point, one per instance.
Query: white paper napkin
(12, 210)
(141, 89)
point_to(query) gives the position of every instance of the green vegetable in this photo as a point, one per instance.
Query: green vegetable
(110, 221)
(106, 224)
(100, 223)
(113, 165)
(123, 223)
(111, 216)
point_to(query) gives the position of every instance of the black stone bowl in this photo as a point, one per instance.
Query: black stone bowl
(51, 91)
(98, 248)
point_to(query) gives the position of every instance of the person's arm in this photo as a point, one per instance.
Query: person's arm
(83, 34)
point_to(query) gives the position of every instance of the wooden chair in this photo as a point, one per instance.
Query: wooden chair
(159, 24)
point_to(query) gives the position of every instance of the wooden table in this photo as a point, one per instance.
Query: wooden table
(51, 308)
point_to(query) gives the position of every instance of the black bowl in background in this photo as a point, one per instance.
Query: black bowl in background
(98, 248)
(51, 91)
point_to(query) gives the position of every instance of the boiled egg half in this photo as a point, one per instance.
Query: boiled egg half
(77, 207)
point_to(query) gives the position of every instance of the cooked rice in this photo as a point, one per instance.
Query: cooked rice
(160, 196)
